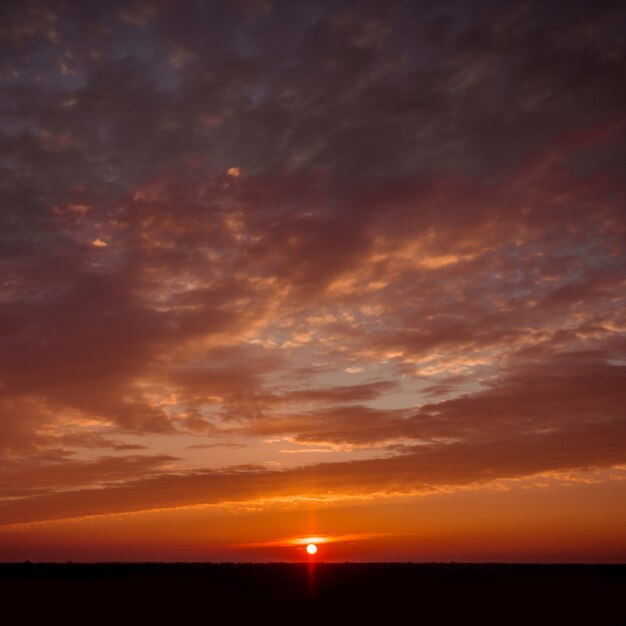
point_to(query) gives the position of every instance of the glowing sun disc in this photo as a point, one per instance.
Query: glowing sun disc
(311, 548)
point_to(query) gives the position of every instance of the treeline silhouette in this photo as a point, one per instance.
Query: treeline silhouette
(325, 594)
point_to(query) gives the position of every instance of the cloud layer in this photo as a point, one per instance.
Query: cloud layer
(390, 240)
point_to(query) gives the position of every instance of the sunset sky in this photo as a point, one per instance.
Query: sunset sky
(351, 270)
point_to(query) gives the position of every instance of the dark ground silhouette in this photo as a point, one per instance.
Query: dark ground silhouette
(349, 593)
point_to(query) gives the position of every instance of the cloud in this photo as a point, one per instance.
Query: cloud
(395, 230)
(417, 471)
(41, 475)
(562, 415)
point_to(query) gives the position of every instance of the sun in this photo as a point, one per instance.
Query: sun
(311, 548)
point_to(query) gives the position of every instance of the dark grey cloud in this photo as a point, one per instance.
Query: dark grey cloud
(224, 202)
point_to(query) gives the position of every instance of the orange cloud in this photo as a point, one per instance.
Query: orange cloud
(343, 265)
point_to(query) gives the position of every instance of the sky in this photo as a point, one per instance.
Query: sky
(276, 271)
